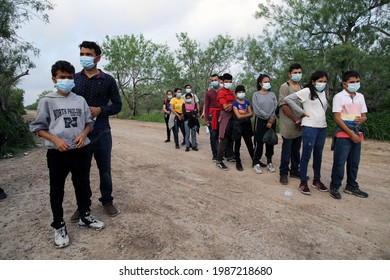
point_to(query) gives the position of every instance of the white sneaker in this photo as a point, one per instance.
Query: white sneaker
(271, 168)
(90, 221)
(61, 238)
(257, 169)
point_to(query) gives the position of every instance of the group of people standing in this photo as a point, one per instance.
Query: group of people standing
(301, 110)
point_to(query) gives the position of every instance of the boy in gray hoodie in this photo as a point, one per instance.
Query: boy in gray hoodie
(64, 120)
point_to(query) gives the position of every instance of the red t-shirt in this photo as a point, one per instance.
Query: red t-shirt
(225, 96)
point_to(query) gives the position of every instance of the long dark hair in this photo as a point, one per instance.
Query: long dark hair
(260, 79)
(314, 77)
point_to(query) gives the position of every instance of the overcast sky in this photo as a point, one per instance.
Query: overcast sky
(73, 21)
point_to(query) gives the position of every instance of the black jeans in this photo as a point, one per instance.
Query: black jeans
(178, 124)
(246, 133)
(290, 153)
(76, 162)
(166, 117)
(100, 148)
(259, 130)
(213, 139)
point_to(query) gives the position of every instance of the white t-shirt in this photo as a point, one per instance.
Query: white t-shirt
(316, 109)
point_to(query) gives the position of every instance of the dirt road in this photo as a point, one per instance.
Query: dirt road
(178, 205)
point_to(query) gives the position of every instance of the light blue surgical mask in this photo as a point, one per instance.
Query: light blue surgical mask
(296, 77)
(65, 85)
(87, 62)
(214, 84)
(353, 87)
(241, 95)
(266, 86)
(178, 94)
(189, 100)
(169, 96)
(228, 85)
(188, 90)
(320, 86)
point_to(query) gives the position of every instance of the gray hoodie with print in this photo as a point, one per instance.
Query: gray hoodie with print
(62, 116)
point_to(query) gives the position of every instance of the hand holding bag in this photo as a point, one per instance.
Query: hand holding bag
(270, 137)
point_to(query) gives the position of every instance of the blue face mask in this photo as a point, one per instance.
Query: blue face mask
(169, 96)
(353, 87)
(87, 62)
(214, 84)
(228, 85)
(320, 86)
(65, 85)
(189, 100)
(188, 90)
(296, 77)
(266, 86)
(178, 94)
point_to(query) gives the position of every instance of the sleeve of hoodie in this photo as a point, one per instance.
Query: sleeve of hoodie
(88, 117)
(297, 110)
(116, 103)
(42, 119)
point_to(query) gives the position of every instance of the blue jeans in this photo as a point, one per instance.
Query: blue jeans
(313, 140)
(100, 148)
(345, 151)
(213, 139)
(189, 131)
(290, 152)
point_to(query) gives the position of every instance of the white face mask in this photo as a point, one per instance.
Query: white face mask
(296, 77)
(320, 86)
(266, 86)
(228, 85)
(241, 95)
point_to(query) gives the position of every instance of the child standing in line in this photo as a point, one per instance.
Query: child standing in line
(242, 125)
(64, 120)
(349, 109)
(191, 122)
(264, 104)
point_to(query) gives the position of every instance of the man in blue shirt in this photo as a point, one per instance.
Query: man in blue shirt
(98, 88)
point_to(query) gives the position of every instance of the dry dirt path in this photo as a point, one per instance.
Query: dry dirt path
(178, 205)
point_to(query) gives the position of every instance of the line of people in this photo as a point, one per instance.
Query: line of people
(301, 110)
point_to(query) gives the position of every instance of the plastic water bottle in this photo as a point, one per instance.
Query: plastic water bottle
(288, 193)
(207, 129)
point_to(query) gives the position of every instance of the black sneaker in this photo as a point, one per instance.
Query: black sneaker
(221, 165)
(283, 179)
(167, 141)
(2, 194)
(239, 166)
(355, 191)
(187, 149)
(334, 193)
(231, 159)
(214, 158)
(195, 149)
(75, 217)
(177, 147)
(183, 143)
(295, 174)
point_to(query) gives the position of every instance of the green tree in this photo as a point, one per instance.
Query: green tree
(14, 52)
(334, 35)
(15, 63)
(139, 66)
(197, 63)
